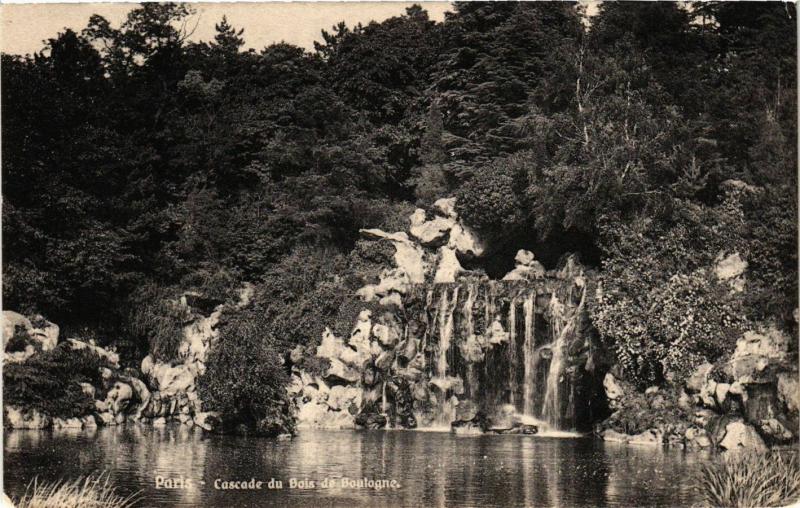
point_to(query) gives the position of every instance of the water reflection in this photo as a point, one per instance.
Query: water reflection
(433, 469)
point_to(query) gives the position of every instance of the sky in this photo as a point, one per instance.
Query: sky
(25, 26)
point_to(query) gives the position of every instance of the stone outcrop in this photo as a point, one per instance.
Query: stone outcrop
(443, 333)
(23, 337)
(746, 400)
(527, 268)
(160, 393)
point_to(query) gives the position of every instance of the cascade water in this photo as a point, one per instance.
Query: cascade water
(483, 342)
(529, 354)
(512, 351)
(563, 330)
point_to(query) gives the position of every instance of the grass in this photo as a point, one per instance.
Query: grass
(85, 492)
(749, 480)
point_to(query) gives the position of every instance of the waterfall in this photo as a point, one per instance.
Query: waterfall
(483, 341)
(512, 351)
(563, 332)
(529, 354)
(445, 333)
(446, 323)
(471, 384)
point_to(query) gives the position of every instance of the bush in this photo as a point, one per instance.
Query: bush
(97, 492)
(48, 381)
(751, 480)
(493, 199)
(661, 310)
(156, 321)
(245, 379)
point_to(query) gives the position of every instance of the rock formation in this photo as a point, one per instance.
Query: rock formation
(448, 338)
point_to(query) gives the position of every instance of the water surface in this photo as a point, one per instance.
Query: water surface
(431, 468)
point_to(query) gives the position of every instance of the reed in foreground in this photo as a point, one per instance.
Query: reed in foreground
(91, 491)
(746, 480)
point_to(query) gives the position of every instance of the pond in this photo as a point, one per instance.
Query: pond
(428, 468)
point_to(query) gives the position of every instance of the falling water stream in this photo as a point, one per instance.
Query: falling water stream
(503, 361)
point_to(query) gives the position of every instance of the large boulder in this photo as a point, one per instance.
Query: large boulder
(409, 257)
(119, 397)
(614, 392)
(789, 391)
(209, 420)
(11, 321)
(740, 436)
(432, 233)
(527, 268)
(448, 268)
(759, 356)
(171, 380)
(465, 242)
(44, 332)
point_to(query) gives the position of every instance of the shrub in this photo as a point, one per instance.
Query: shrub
(97, 492)
(156, 321)
(245, 379)
(48, 381)
(661, 310)
(493, 199)
(751, 480)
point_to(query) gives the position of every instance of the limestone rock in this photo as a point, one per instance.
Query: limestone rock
(87, 389)
(106, 418)
(497, 334)
(527, 268)
(758, 354)
(11, 320)
(697, 438)
(170, 380)
(472, 349)
(119, 397)
(387, 334)
(789, 391)
(613, 390)
(721, 392)
(67, 423)
(698, 379)
(731, 269)
(46, 334)
(434, 232)
(209, 420)
(338, 370)
(614, 436)
(449, 268)
(739, 435)
(448, 383)
(418, 217)
(408, 256)
(446, 207)
(18, 418)
(465, 242)
(648, 437)
(773, 429)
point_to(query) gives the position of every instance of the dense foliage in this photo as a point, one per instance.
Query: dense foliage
(651, 139)
(245, 378)
(49, 382)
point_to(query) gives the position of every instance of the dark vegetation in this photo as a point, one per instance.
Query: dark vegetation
(138, 164)
(48, 382)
